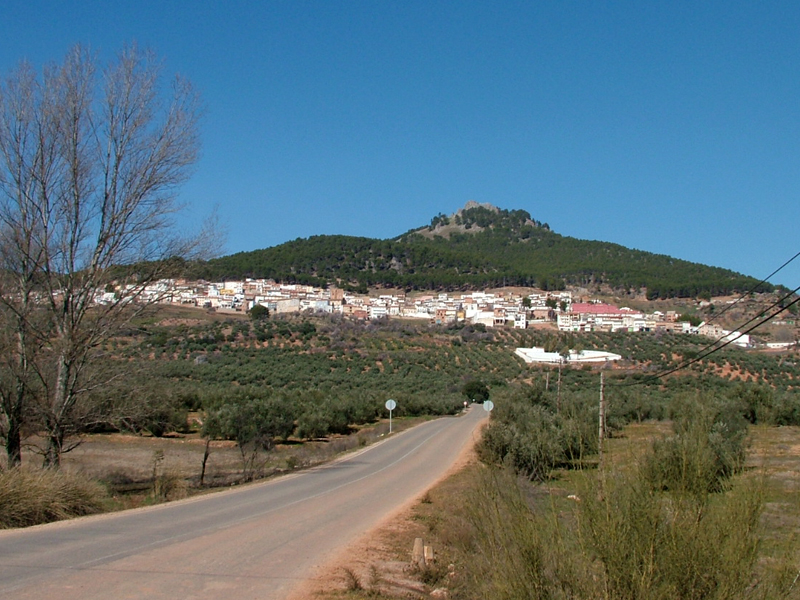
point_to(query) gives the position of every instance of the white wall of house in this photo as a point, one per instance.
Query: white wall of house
(288, 305)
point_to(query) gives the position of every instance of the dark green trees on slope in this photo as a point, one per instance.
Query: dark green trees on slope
(477, 248)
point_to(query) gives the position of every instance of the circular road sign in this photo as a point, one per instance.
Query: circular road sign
(391, 405)
(488, 405)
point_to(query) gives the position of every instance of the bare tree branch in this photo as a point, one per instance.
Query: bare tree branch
(91, 161)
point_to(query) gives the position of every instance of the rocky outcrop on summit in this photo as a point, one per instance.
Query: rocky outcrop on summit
(476, 217)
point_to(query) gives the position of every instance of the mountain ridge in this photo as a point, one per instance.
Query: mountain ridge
(478, 246)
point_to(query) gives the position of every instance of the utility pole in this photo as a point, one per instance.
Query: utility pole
(601, 430)
(558, 396)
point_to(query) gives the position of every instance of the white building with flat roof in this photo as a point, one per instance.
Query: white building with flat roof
(540, 356)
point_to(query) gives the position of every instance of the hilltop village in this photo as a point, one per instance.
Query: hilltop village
(500, 309)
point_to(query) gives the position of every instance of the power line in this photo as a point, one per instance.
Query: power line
(700, 356)
(746, 323)
(776, 271)
(729, 339)
(752, 289)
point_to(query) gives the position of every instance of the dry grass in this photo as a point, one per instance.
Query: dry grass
(383, 564)
(126, 464)
(140, 470)
(29, 497)
(775, 456)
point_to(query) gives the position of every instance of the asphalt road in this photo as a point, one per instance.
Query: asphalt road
(258, 541)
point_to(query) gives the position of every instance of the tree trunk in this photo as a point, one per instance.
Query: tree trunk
(55, 445)
(14, 442)
(205, 460)
(89, 166)
(14, 400)
(59, 412)
(52, 456)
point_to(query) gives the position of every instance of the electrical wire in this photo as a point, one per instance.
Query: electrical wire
(752, 289)
(729, 339)
(746, 323)
(711, 345)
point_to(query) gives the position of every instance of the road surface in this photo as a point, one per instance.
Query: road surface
(258, 541)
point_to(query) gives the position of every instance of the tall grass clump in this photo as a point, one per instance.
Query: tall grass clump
(671, 546)
(676, 525)
(707, 448)
(513, 553)
(32, 497)
(621, 540)
(167, 485)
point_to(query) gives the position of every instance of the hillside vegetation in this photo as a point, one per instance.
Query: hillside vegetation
(336, 373)
(479, 247)
(255, 383)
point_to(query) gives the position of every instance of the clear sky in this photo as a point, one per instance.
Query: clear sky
(671, 127)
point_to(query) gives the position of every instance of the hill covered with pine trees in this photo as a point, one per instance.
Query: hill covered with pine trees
(478, 247)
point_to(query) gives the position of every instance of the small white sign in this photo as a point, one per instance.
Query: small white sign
(391, 405)
(488, 405)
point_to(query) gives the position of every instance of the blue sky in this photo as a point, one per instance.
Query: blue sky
(671, 127)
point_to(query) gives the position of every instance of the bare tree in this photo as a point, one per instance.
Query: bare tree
(24, 153)
(91, 161)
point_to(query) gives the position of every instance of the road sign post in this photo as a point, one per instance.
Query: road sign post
(390, 406)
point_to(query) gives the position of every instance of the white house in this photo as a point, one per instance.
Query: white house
(538, 355)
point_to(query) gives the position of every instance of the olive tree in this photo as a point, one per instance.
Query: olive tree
(252, 421)
(91, 157)
(475, 390)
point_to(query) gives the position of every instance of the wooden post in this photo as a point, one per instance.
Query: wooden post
(418, 553)
(601, 433)
(558, 395)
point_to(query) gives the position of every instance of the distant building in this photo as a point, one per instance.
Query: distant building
(583, 316)
(540, 356)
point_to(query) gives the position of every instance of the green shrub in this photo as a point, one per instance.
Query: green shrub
(312, 424)
(754, 402)
(319, 421)
(622, 540)
(786, 410)
(707, 448)
(530, 437)
(253, 420)
(655, 545)
(475, 390)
